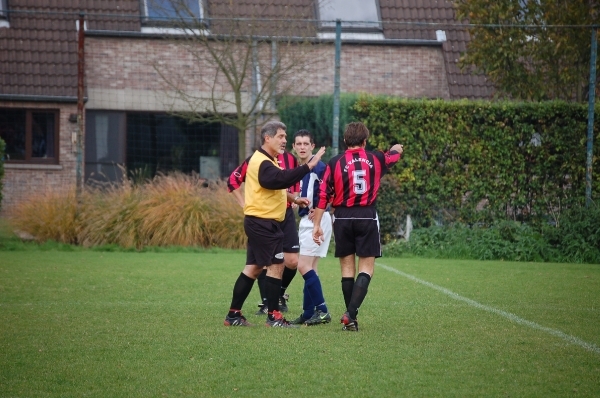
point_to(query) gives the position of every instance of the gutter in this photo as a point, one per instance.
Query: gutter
(385, 42)
(39, 98)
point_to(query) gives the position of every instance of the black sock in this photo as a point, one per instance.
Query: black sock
(286, 278)
(361, 286)
(261, 285)
(272, 288)
(241, 290)
(347, 286)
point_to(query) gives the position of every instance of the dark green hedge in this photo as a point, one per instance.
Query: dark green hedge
(2, 149)
(466, 161)
(476, 162)
(315, 114)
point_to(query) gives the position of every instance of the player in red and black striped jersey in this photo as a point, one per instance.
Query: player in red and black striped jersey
(291, 245)
(350, 184)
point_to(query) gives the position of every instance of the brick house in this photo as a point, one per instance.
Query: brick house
(128, 113)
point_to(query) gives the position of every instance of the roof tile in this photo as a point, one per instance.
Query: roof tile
(45, 45)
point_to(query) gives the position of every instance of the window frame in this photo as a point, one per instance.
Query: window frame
(155, 22)
(329, 27)
(29, 159)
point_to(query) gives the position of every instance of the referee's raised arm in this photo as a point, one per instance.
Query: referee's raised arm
(272, 177)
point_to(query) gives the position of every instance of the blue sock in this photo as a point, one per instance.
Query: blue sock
(312, 284)
(307, 304)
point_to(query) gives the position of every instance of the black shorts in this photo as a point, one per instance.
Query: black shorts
(356, 231)
(265, 241)
(291, 243)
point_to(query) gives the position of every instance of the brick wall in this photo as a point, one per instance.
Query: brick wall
(121, 64)
(403, 71)
(22, 181)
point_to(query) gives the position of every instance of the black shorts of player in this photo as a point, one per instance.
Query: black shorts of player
(356, 231)
(265, 241)
(291, 243)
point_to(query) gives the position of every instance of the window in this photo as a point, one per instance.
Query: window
(104, 145)
(356, 15)
(150, 143)
(169, 12)
(164, 143)
(31, 135)
(3, 15)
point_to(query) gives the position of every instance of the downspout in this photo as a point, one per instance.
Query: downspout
(336, 89)
(80, 100)
(590, 129)
(254, 93)
(274, 74)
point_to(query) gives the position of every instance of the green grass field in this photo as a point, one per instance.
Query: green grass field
(115, 324)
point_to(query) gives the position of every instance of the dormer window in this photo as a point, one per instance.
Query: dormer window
(356, 15)
(3, 14)
(172, 12)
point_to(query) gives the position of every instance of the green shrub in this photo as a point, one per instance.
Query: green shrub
(472, 162)
(576, 238)
(315, 114)
(390, 207)
(505, 240)
(478, 162)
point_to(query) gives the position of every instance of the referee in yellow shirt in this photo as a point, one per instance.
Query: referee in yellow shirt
(264, 210)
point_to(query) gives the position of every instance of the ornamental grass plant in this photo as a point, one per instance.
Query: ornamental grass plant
(168, 210)
(48, 216)
(109, 214)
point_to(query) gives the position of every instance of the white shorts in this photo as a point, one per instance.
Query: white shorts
(308, 247)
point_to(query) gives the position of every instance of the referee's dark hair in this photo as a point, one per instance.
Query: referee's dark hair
(356, 133)
(270, 129)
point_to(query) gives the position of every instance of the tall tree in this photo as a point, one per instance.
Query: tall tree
(531, 49)
(236, 65)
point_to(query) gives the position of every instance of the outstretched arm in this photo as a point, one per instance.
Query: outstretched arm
(272, 177)
(398, 148)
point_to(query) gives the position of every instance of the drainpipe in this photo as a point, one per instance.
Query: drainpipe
(590, 129)
(274, 74)
(254, 95)
(336, 89)
(80, 93)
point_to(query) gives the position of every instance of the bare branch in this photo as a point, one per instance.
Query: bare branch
(212, 80)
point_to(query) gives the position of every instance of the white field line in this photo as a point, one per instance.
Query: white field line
(557, 333)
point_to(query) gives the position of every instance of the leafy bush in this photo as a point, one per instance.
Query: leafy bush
(576, 240)
(577, 236)
(505, 240)
(315, 114)
(169, 210)
(390, 207)
(478, 162)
